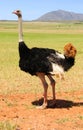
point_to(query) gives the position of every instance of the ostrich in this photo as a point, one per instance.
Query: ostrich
(43, 62)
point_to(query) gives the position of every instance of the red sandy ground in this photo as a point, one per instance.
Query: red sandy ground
(21, 109)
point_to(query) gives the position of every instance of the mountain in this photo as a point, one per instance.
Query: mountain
(61, 15)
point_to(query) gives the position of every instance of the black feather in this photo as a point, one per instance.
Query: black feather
(66, 63)
(40, 59)
(34, 60)
(23, 50)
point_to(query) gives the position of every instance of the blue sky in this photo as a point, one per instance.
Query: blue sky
(33, 9)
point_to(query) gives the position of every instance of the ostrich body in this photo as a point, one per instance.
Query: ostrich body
(43, 61)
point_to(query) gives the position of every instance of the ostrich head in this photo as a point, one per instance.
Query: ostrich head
(18, 13)
(70, 51)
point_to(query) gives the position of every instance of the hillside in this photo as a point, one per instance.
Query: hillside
(61, 15)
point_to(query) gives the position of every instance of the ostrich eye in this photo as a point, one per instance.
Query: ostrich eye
(18, 11)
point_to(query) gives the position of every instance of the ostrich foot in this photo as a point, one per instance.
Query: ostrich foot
(44, 106)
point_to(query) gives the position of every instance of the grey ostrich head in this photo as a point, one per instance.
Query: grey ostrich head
(18, 13)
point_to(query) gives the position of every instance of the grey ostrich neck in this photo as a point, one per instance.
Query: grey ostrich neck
(20, 28)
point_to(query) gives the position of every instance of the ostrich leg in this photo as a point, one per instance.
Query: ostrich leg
(45, 86)
(53, 89)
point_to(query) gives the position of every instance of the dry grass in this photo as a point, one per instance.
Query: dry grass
(51, 35)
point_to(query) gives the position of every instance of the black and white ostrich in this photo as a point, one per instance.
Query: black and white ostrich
(43, 61)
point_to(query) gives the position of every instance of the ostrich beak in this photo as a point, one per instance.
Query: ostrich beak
(14, 12)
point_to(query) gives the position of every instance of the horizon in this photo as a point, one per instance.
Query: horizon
(43, 15)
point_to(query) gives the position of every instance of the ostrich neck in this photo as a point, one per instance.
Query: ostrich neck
(20, 29)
